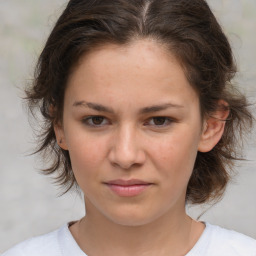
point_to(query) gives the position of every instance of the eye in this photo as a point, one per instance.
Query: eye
(96, 121)
(159, 121)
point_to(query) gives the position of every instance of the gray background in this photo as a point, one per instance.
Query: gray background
(30, 204)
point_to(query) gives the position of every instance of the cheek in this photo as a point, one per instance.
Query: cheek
(176, 154)
(87, 154)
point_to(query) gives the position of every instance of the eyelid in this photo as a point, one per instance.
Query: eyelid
(88, 121)
(87, 118)
(168, 119)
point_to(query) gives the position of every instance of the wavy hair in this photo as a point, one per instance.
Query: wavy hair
(186, 28)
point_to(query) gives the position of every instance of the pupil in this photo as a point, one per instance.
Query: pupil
(159, 120)
(97, 119)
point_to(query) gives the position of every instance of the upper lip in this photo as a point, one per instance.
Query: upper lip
(130, 182)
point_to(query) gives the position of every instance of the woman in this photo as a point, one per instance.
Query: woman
(141, 114)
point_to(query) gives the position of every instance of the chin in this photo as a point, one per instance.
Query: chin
(132, 218)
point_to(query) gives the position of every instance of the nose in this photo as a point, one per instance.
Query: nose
(127, 149)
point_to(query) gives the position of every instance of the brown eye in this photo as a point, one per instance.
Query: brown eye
(159, 120)
(97, 120)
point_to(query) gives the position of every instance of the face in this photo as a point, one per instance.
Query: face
(132, 126)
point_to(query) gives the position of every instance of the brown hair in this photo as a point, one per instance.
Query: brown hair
(188, 29)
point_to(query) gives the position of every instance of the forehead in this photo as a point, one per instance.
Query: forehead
(142, 55)
(144, 68)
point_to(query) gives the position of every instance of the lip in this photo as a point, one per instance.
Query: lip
(128, 188)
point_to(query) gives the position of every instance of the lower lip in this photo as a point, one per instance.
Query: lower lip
(132, 190)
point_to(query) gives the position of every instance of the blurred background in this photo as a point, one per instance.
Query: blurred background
(30, 202)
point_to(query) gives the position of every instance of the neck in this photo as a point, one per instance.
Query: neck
(174, 233)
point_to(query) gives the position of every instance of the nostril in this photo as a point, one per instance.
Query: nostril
(126, 161)
(126, 150)
(124, 164)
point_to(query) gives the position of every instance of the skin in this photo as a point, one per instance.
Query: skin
(130, 141)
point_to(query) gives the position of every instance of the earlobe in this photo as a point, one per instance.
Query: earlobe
(60, 136)
(213, 129)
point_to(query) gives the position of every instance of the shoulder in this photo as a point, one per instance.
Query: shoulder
(228, 242)
(37, 246)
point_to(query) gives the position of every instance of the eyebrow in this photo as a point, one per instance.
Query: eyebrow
(95, 106)
(102, 108)
(156, 108)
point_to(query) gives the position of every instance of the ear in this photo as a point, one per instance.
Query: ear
(213, 128)
(60, 136)
(58, 129)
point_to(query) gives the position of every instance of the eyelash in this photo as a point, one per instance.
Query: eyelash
(166, 120)
(89, 121)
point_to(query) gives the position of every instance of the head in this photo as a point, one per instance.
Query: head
(187, 33)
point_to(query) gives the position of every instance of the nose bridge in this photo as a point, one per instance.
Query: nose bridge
(126, 149)
(125, 143)
(126, 138)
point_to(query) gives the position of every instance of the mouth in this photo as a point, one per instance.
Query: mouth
(128, 188)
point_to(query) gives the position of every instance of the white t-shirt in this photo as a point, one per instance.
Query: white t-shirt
(215, 241)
